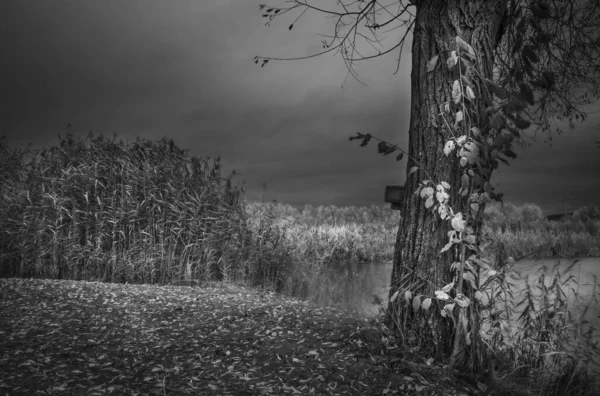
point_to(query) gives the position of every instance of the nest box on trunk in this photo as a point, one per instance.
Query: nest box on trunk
(395, 196)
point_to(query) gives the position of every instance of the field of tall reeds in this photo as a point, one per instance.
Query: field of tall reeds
(98, 209)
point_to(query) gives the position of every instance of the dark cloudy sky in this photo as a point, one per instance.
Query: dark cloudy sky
(183, 69)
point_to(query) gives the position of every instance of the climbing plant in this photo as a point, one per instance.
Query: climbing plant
(486, 75)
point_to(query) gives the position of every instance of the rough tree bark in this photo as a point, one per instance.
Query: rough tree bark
(418, 264)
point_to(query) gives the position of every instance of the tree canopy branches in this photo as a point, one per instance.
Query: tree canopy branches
(553, 46)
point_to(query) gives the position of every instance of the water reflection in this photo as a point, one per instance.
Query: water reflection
(351, 286)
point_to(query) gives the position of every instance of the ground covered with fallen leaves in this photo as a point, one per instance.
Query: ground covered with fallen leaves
(89, 338)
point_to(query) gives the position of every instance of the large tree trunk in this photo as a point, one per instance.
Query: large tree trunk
(419, 267)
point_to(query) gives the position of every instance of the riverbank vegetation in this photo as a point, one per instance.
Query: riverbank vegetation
(147, 214)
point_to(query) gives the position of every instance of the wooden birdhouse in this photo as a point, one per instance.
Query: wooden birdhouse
(395, 196)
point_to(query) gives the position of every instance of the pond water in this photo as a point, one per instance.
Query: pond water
(359, 283)
(355, 284)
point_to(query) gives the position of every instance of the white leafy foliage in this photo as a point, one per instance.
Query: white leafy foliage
(476, 131)
(456, 94)
(432, 63)
(443, 211)
(441, 295)
(458, 223)
(445, 185)
(461, 140)
(447, 247)
(449, 308)
(469, 93)
(463, 161)
(441, 195)
(407, 296)
(412, 170)
(448, 287)
(395, 296)
(426, 304)
(452, 60)
(450, 145)
(459, 117)
(429, 202)
(447, 107)
(416, 303)
(426, 192)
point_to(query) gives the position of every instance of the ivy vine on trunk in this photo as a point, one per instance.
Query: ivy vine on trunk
(483, 72)
(418, 264)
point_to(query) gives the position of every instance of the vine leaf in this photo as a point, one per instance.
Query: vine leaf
(464, 180)
(446, 289)
(456, 94)
(459, 118)
(416, 303)
(463, 45)
(447, 247)
(452, 60)
(510, 154)
(449, 147)
(432, 63)
(358, 136)
(521, 123)
(496, 89)
(498, 122)
(426, 304)
(526, 94)
(412, 170)
(515, 104)
(366, 139)
(469, 93)
(530, 54)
